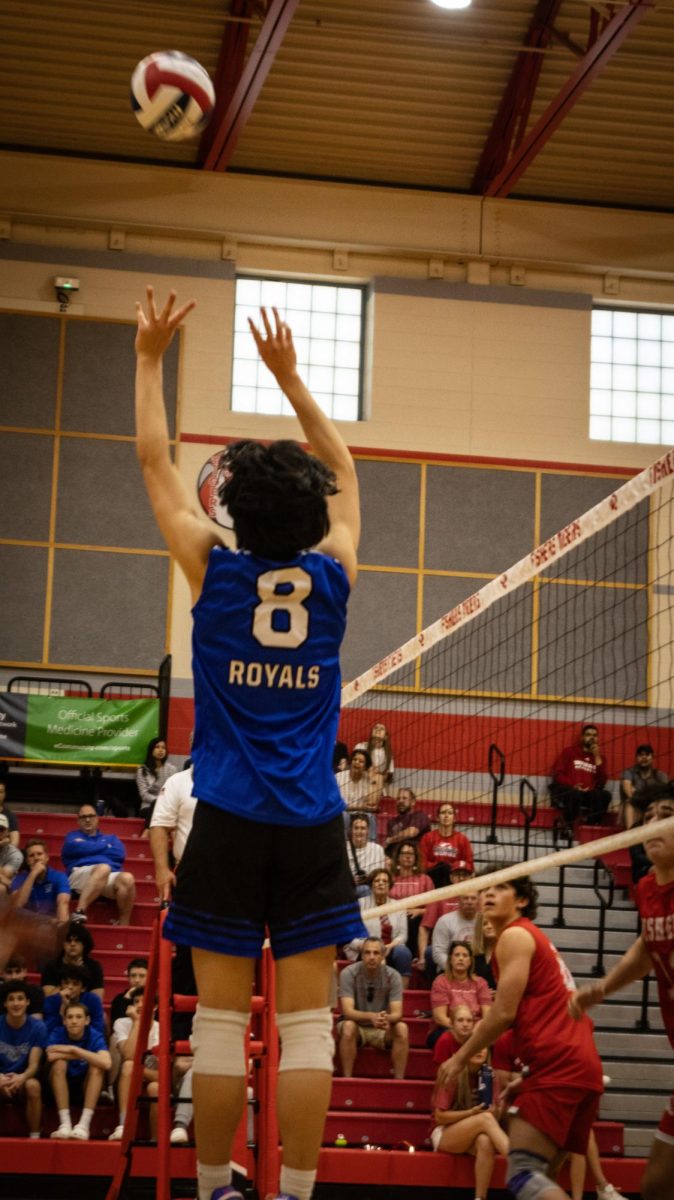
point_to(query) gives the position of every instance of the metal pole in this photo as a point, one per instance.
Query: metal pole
(497, 779)
(605, 903)
(559, 922)
(528, 814)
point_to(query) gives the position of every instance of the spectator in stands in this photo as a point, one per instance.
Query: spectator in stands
(73, 985)
(390, 930)
(411, 823)
(360, 789)
(22, 1040)
(457, 985)
(409, 880)
(15, 972)
(172, 818)
(504, 1060)
(41, 888)
(7, 812)
(442, 847)
(579, 779)
(125, 1037)
(378, 746)
(458, 926)
(77, 947)
(136, 974)
(466, 1119)
(340, 757)
(11, 859)
(94, 862)
(438, 908)
(483, 943)
(364, 856)
(78, 1057)
(151, 777)
(370, 997)
(633, 783)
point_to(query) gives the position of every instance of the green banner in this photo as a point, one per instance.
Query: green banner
(68, 730)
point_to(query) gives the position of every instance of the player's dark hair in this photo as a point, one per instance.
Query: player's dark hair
(651, 793)
(81, 974)
(136, 962)
(276, 497)
(78, 931)
(13, 985)
(523, 888)
(16, 961)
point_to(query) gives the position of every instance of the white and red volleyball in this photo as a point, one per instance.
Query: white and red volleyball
(211, 478)
(172, 95)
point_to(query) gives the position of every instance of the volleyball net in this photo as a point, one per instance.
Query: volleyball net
(480, 704)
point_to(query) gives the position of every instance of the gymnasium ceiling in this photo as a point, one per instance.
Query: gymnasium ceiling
(393, 92)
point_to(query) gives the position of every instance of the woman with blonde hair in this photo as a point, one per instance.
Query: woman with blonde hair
(378, 746)
(465, 1120)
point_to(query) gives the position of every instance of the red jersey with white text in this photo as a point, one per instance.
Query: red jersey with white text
(655, 903)
(438, 848)
(558, 1050)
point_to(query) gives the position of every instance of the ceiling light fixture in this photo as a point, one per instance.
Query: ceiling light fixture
(452, 3)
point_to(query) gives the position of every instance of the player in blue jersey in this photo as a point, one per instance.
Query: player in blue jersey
(267, 849)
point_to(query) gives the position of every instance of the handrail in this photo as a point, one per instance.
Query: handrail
(497, 780)
(529, 814)
(52, 682)
(605, 903)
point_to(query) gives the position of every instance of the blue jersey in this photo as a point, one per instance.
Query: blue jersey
(92, 1003)
(92, 1039)
(267, 686)
(44, 891)
(16, 1044)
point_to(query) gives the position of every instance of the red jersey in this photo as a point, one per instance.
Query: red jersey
(436, 848)
(655, 903)
(576, 768)
(558, 1050)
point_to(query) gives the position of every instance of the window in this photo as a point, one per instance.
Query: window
(632, 376)
(327, 326)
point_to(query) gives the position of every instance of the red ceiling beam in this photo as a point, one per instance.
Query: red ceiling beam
(510, 122)
(227, 132)
(623, 21)
(228, 72)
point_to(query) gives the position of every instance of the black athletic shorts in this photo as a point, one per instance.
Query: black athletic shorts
(239, 879)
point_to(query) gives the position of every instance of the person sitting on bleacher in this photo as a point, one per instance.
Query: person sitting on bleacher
(442, 847)
(390, 929)
(504, 1060)
(73, 985)
(457, 926)
(634, 783)
(370, 997)
(40, 888)
(77, 947)
(364, 856)
(94, 862)
(457, 985)
(5, 811)
(411, 823)
(409, 880)
(136, 974)
(459, 871)
(171, 822)
(360, 789)
(79, 1058)
(11, 859)
(22, 1040)
(125, 1037)
(15, 971)
(579, 777)
(466, 1119)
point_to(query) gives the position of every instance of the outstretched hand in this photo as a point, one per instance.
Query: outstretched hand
(275, 346)
(586, 997)
(155, 330)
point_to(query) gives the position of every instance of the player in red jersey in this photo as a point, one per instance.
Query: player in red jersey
(558, 1099)
(653, 950)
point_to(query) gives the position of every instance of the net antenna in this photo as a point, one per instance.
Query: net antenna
(487, 696)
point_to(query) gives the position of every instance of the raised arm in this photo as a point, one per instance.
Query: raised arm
(276, 349)
(188, 537)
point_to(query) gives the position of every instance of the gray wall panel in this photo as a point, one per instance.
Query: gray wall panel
(29, 357)
(101, 498)
(98, 378)
(565, 497)
(109, 609)
(390, 509)
(382, 614)
(25, 486)
(478, 520)
(23, 583)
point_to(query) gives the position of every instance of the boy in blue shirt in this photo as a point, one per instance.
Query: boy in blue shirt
(78, 1058)
(40, 888)
(73, 985)
(22, 1039)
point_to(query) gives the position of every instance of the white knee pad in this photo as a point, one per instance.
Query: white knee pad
(217, 1042)
(307, 1043)
(527, 1175)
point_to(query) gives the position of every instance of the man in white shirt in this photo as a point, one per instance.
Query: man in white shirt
(173, 813)
(360, 788)
(454, 927)
(364, 856)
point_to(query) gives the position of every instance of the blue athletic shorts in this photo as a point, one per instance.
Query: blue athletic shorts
(240, 880)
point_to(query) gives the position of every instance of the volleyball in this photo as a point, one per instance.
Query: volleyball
(172, 95)
(210, 479)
